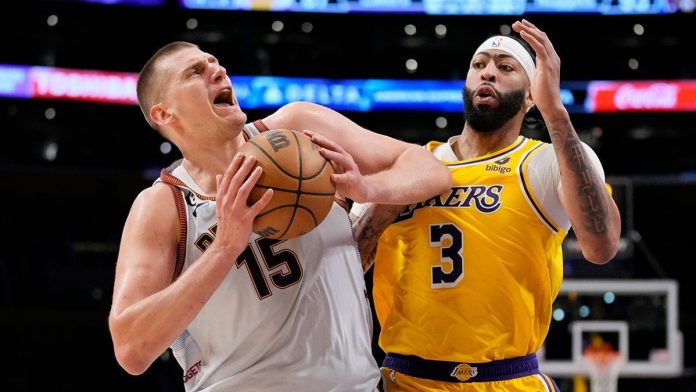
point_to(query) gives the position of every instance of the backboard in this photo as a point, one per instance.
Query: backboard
(639, 318)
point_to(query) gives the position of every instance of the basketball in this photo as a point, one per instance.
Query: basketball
(301, 181)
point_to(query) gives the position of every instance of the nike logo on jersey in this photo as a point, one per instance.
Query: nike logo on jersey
(191, 200)
(484, 198)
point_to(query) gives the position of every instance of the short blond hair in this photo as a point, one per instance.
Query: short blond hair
(147, 88)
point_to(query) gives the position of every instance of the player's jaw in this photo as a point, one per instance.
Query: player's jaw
(225, 106)
(486, 109)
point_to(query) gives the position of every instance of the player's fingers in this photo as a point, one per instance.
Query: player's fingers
(239, 177)
(341, 178)
(261, 203)
(309, 133)
(327, 143)
(248, 185)
(541, 36)
(225, 180)
(344, 161)
(528, 23)
(243, 172)
(539, 49)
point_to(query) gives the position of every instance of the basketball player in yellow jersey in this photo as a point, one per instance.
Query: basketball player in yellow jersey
(464, 282)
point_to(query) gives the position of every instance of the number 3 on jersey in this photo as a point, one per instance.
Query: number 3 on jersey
(450, 240)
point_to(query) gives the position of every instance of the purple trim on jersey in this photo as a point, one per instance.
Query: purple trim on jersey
(513, 148)
(527, 191)
(504, 369)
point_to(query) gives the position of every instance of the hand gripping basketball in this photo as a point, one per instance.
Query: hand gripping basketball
(300, 177)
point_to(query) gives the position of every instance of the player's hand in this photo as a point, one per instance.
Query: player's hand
(234, 216)
(547, 80)
(347, 177)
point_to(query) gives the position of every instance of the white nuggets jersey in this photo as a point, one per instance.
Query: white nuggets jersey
(290, 315)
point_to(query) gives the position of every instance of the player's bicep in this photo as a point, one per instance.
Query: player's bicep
(371, 151)
(147, 253)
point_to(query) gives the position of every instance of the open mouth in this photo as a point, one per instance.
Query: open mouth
(224, 97)
(485, 94)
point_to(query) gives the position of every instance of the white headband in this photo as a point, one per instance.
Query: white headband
(514, 49)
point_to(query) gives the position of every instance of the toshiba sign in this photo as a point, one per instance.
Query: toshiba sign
(641, 96)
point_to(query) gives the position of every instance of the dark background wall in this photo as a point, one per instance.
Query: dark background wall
(62, 219)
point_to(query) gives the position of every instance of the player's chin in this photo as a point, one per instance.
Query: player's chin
(232, 115)
(486, 105)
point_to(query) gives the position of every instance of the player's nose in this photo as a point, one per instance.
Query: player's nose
(489, 73)
(219, 73)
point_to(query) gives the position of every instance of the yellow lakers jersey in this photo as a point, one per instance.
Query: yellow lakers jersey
(470, 275)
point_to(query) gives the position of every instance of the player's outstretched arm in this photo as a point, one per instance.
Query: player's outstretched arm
(377, 168)
(149, 311)
(592, 212)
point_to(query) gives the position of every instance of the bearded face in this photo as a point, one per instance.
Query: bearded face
(493, 108)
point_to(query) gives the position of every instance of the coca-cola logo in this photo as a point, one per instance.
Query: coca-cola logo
(653, 96)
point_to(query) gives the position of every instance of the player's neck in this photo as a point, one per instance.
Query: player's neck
(204, 162)
(471, 144)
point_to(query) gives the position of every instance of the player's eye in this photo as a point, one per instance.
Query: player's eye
(507, 67)
(196, 70)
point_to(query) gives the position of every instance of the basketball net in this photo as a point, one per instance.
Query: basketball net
(604, 368)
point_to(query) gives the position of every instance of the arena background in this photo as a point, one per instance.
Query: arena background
(73, 158)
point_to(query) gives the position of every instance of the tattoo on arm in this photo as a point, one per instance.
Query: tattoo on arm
(368, 230)
(590, 191)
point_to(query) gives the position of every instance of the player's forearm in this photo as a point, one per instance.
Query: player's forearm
(415, 176)
(370, 226)
(593, 214)
(145, 329)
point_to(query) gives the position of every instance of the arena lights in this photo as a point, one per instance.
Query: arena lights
(265, 92)
(50, 151)
(411, 65)
(277, 26)
(505, 29)
(52, 20)
(165, 148)
(191, 23)
(441, 31)
(447, 7)
(638, 29)
(141, 3)
(50, 113)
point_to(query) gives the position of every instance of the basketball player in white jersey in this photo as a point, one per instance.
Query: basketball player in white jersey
(243, 313)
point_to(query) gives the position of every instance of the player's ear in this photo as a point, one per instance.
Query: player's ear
(528, 101)
(160, 115)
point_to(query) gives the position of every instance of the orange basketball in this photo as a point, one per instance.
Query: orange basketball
(301, 181)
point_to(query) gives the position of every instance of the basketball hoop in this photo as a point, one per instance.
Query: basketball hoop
(604, 368)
